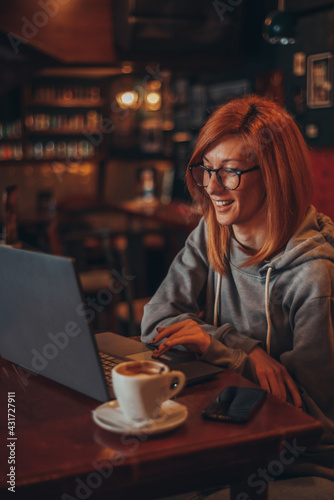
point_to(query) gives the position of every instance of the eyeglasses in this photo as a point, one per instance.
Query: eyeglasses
(228, 178)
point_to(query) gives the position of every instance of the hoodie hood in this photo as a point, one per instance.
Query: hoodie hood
(314, 239)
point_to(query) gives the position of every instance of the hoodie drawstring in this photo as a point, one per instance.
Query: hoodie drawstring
(215, 311)
(268, 310)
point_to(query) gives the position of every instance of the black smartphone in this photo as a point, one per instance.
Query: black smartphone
(235, 404)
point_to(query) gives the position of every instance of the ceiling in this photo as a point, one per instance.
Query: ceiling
(98, 32)
(87, 31)
(74, 31)
(66, 32)
(39, 33)
(301, 7)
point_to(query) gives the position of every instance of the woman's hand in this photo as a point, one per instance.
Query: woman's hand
(274, 377)
(187, 333)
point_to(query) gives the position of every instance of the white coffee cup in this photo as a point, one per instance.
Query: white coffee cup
(142, 386)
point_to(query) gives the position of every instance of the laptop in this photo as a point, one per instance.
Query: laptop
(45, 327)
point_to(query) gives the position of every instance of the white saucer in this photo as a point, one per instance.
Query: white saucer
(110, 417)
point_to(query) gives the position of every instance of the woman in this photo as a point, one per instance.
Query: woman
(252, 290)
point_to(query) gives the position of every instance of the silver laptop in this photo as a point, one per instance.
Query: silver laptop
(45, 327)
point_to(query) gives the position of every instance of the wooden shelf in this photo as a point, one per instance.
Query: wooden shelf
(73, 106)
(71, 103)
(24, 161)
(62, 131)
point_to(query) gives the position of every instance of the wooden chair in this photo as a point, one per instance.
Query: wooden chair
(93, 265)
(133, 258)
(115, 261)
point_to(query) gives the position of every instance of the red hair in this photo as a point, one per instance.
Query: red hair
(273, 140)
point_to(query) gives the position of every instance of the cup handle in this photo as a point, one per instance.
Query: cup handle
(177, 381)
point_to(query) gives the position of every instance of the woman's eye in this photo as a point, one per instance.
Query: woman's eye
(228, 171)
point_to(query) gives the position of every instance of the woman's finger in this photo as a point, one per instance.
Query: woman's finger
(294, 391)
(263, 381)
(177, 339)
(165, 332)
(277, 385)
(196, 341)
(163, 348)
(160, 336)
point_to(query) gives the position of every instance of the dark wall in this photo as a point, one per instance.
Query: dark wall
(315, 35)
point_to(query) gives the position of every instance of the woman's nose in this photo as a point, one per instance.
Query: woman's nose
(214, 186)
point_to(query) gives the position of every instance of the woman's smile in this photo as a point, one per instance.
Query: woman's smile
(222, 205)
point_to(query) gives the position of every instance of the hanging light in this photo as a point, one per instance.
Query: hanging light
(153, 101)
(128, 100)
(152, 95)
(280, 26)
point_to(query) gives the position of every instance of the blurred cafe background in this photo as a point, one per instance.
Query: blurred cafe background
(101, 102)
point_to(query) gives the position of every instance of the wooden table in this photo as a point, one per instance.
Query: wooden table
(60, 453)
(174, 221)
(177, 214)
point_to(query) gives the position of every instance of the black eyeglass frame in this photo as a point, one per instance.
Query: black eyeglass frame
(239, 173)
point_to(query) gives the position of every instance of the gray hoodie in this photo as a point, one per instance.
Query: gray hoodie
(284, 305)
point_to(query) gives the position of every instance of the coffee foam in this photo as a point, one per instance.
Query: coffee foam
(140, 368)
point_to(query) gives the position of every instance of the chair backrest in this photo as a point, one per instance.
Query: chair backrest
(123, 253)
(10, 233)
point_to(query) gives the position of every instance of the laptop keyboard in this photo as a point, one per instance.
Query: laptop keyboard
(108, 363)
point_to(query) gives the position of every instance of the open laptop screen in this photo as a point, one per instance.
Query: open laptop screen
(43, 324)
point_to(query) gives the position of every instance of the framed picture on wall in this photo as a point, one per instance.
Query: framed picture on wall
(320, 80)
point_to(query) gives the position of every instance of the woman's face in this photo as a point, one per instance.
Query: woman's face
(243, 208)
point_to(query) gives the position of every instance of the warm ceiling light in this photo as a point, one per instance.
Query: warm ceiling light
(128, 100)
(153, 101)
(153, 98)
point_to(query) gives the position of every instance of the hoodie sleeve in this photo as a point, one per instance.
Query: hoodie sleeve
(310, 362)
(183, 295)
